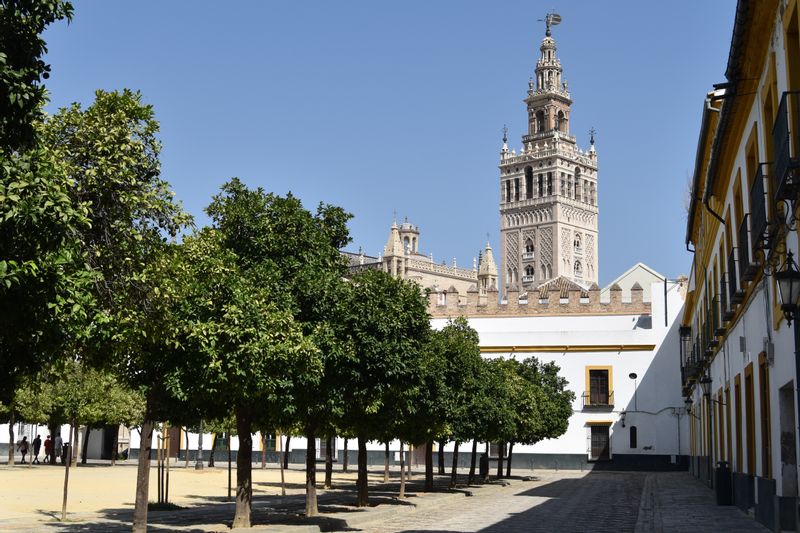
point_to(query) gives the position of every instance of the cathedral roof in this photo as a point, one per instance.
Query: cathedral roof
(563, 285)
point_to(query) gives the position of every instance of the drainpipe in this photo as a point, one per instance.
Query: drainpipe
(707, 195)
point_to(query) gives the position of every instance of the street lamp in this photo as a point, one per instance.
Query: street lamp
(705, 384)
(788, 279)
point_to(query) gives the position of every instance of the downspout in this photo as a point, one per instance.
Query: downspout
(707, 195)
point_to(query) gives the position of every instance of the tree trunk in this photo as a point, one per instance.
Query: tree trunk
(345, 458)
(362, 482)
(85, 445)
(386, 464)
(186, 465)
(508, 459)
(52, 428)
(328, 462)
(283, 482)
(228, 435)
(472, 462)
(213, 449)
(454, 472)
(263, 450)
(11, 443)
(244, 467)
(311, 472)
(402, 472)
(441, 458)
(501, 449)
(115, 446)
(66, 473)
(143, 478)
(286, 452)
(429, 466)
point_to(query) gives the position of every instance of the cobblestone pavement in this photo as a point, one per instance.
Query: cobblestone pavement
(675, 501)
(597, 502)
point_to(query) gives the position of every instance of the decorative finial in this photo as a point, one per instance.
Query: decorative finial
(591, 136)
(394, 216)
(505, 134)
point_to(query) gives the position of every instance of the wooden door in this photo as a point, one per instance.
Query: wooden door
(600, 443)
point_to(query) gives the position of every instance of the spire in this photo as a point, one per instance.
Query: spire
(394, 245)
(548, 67)
(487, 265)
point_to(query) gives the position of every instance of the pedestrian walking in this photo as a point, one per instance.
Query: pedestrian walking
(22, 448)
(37, 445)
(57, 447)
(48, 450)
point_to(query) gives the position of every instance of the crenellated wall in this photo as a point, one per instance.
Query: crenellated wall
(558, 302)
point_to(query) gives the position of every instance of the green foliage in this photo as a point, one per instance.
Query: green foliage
(22, 69)
(81, 395)
(111, 152)
(386, 325)
(236, 345)
(43, 279)
(553, 401)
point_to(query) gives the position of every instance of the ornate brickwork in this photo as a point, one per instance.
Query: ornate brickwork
(589, 254)
(566, 248)
(546, 251)
(512, 249)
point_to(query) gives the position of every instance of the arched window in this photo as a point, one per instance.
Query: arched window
(561, 124)
(633, 436)
(406, 244)
(529, 271)
(540, 121)
(577, 243)
(578, 268)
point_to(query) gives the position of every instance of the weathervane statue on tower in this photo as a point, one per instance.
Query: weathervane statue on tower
(551, 19)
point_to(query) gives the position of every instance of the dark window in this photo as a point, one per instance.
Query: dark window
(528, 182)
(549, 183)
(516, 189)
(633, 432)
(598, 387)
(508, 191)
(541, 186)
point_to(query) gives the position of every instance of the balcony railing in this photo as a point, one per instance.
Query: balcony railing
(597, 400)
(785, 143)
(735, 289)
(759, 225)
(527, 256)
(527, 279)
(726, 309)
(747, 264)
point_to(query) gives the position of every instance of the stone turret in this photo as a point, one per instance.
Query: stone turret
(393, 253)
(487, 271)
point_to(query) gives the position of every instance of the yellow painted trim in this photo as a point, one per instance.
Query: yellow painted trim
(599, 422)
(571, 348)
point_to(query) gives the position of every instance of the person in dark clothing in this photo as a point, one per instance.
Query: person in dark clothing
(48, 450)
(22, 447)
(37, 445)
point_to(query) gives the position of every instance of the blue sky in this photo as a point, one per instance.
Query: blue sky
(379, 106)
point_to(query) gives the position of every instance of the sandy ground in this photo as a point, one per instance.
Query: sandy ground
(35, 492)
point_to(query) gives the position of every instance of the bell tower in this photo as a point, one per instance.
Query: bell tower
(548, 191)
